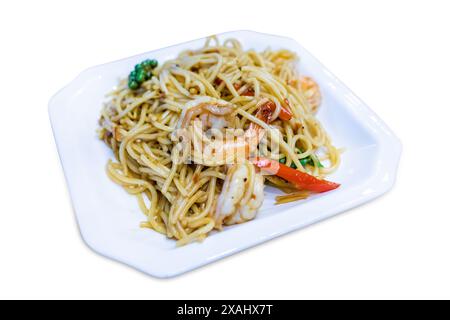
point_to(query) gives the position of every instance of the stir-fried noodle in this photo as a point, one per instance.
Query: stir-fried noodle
(199, 137)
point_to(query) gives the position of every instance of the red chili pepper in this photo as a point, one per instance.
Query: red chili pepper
(301, 180)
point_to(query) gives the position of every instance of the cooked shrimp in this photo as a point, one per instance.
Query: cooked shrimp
(241, 197)
(217, 114)
(311, 91)
(214, 113)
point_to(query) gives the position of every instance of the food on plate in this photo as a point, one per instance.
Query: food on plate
(196, 139)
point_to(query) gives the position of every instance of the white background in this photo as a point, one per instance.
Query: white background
(394, 55)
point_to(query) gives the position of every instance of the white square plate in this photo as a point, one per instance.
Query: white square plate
(109, 218)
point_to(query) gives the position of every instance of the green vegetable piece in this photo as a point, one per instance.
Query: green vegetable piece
(153, 63)
(141, 76)
(305, 161)
(133, 84)
(309, 160)
(146, 64)
(141, 72)
(314, 158)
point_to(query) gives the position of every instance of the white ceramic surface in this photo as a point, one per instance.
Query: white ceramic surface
(109, 218)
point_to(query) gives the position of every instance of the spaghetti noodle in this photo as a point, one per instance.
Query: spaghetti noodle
(185, 195)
